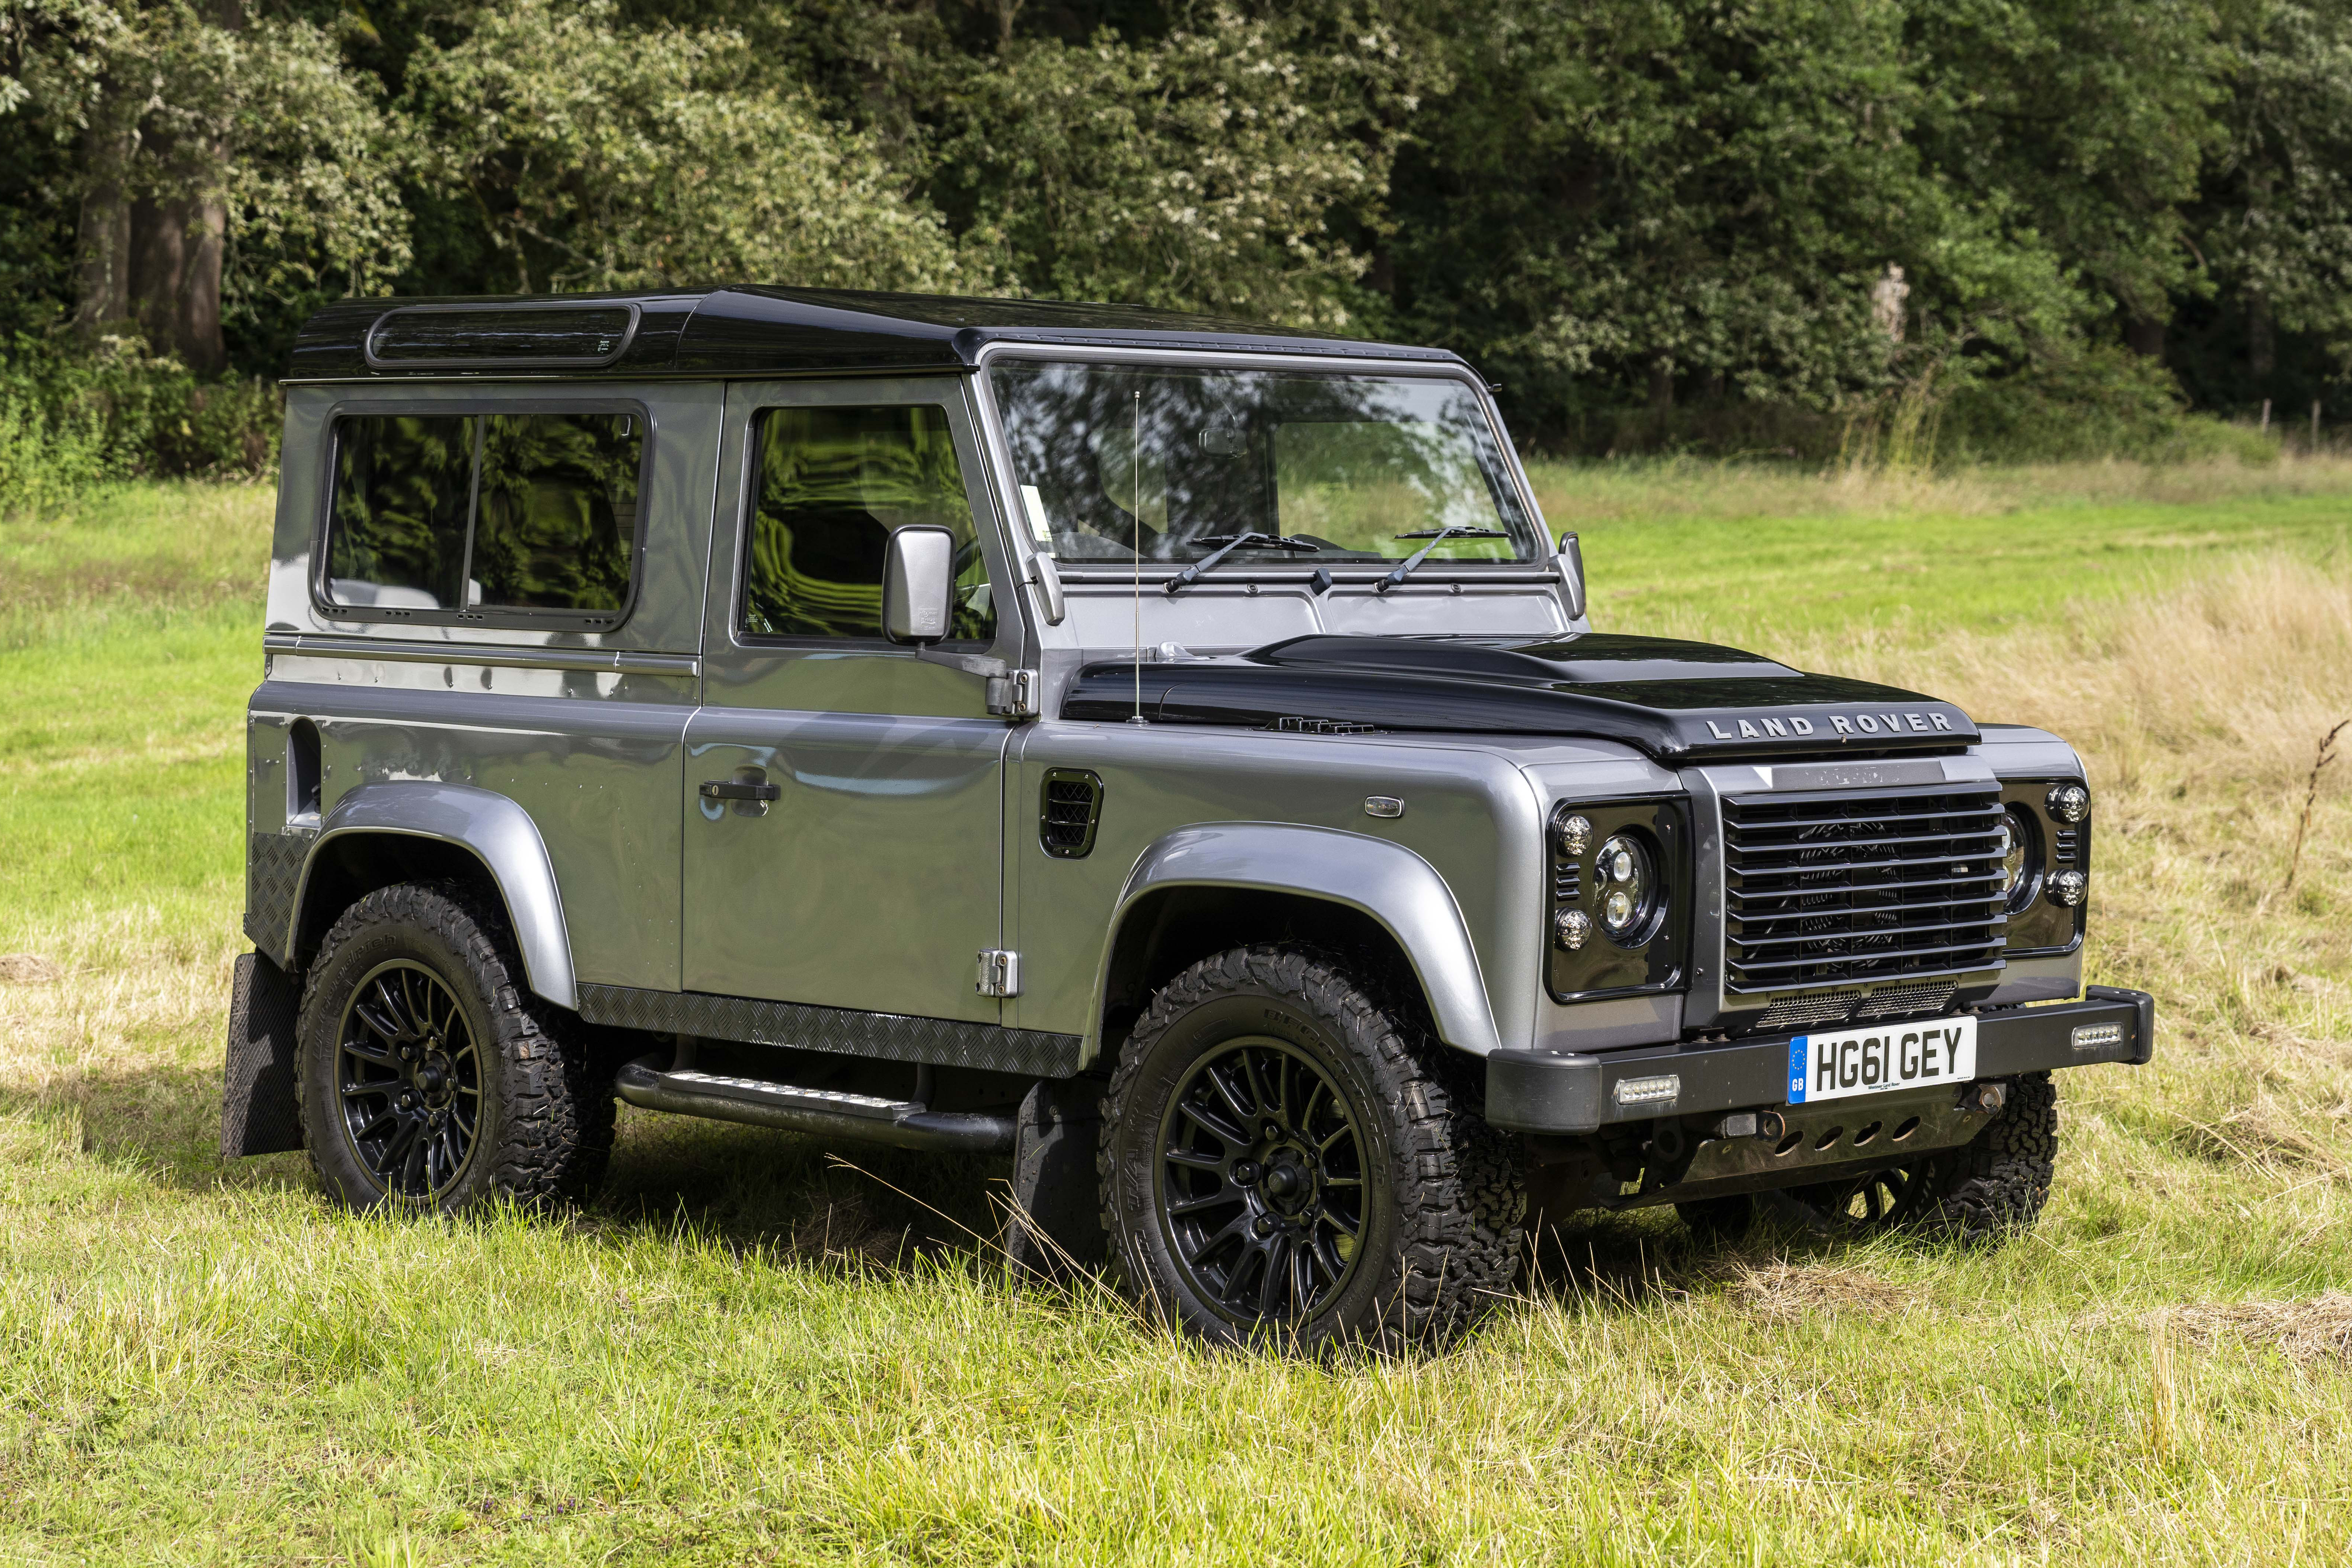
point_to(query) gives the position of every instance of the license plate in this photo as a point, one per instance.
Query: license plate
(1881, 1060)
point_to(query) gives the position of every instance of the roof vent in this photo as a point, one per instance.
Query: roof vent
(536, 334)
(1070, 806)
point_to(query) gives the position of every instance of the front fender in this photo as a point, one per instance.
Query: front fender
(1386, 881)
(497, 832)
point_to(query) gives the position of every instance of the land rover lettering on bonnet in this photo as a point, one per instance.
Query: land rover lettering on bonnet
(1171, 755)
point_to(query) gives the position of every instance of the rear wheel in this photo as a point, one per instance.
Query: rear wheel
(427, 1077)
(1285, 1159)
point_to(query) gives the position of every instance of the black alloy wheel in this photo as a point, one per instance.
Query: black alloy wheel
(1261, 1185)
(1288, 1158)
(409, 1072)
(429, 1076)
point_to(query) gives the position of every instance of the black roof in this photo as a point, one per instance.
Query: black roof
(745, 331)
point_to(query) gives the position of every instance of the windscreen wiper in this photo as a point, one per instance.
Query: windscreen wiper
(1436, 536)
(1227, 545)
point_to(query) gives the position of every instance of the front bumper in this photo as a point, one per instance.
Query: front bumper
(1550, 1091)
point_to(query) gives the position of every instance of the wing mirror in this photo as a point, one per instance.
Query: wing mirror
(1570, 561)
(919, 585)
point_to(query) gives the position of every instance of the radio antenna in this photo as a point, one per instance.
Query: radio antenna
(1135, 495)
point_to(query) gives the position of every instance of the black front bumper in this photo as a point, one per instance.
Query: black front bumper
(1552, 1092)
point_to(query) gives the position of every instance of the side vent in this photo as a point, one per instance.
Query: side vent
(1070, 806)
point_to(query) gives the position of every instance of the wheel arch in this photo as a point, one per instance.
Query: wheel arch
(400, 831)
(1202, 889)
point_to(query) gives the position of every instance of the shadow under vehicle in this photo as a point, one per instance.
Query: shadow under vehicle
(1171, 751)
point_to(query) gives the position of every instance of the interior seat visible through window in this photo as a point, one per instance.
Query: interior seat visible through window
(834, 483)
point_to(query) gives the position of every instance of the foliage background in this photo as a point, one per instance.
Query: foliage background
(1660, 224)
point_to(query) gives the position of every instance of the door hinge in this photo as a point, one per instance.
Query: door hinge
(1000, 973)
(1014, 695)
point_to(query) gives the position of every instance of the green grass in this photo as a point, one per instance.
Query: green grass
(747, 1350)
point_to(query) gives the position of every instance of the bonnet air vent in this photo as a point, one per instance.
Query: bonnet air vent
(1070, 804)
(526, 335)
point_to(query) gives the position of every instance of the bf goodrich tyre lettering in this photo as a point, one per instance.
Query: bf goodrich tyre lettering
(427, 1077)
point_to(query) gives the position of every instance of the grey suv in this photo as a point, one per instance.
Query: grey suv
(1169, 751)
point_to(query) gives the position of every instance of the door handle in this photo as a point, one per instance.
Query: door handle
(730, 789)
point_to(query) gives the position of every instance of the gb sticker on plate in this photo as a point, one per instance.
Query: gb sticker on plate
(1880, 1060)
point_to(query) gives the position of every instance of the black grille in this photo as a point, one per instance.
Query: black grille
(1832, 891)
(1070, 804)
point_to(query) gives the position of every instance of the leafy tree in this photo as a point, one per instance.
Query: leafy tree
(597, 156)
(2273, 222)
(196, 133)
(1234, 166)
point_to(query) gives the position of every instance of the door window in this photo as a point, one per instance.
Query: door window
(834, 483)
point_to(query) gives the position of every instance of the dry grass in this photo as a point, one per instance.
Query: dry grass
(2317, 1329)
(1650, 489)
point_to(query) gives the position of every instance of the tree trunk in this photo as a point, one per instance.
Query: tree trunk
(102, 244)
(175, 279)
(2144, 335)
(1662, 385)
(2261, 347)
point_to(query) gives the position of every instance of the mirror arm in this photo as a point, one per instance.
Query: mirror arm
(1571, 564)
(1012, 693)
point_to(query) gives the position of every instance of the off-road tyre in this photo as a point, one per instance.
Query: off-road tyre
(1996, 1184)
(544, 1131)
(1443, 1201)
(1991, 1188)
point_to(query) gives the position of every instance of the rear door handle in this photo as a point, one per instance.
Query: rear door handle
(728, 789)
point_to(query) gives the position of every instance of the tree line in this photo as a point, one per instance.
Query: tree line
(1725, 222)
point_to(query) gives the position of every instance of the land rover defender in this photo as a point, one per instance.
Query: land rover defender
(1170, 752)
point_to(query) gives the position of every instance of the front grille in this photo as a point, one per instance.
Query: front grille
(1841, 891)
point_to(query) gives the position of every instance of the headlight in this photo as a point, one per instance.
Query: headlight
(1626, 880)
(1616, 873)
(2020, 859)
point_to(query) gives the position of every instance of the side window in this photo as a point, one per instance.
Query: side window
(557, 526)
(485, 512)
(834, 483)
(396, 531)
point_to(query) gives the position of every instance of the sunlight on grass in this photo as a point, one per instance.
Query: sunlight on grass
(747, 1350)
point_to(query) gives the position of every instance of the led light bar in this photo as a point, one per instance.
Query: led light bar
(2091, 1037)
(1648, 1090)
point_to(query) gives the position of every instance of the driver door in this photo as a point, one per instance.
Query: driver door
(869, 876)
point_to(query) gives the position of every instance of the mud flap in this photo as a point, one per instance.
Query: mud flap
(258, 1115)
(1059, 1225)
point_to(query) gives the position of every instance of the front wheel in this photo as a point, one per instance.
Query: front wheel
(427, 1076)
(1285, 1159)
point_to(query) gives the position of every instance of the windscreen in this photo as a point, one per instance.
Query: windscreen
(1180, 462)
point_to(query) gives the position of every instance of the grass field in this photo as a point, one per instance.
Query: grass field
(749, 1350)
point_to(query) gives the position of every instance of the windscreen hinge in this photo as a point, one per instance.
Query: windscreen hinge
(1013, 694)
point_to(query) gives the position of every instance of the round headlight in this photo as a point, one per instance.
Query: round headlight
(2069, 801)
(2020, 859)
(1626, 881)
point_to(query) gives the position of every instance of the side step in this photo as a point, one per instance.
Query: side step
(764, 1102)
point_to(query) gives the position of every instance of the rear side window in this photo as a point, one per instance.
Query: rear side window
(834, 484)
(481, 513)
